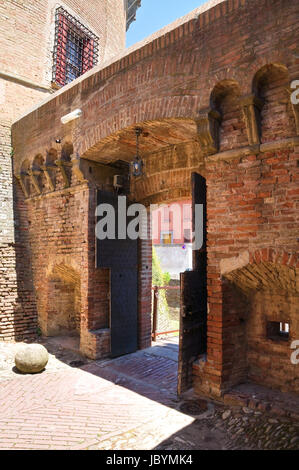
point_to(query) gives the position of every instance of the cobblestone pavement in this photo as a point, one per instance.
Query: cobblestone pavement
(125, 403)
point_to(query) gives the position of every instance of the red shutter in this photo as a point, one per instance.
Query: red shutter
(61, 50)
(87, 55)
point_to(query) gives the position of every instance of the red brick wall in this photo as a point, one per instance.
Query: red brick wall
(17, 300)
(269, 359)
(252, 204)
(62, 247)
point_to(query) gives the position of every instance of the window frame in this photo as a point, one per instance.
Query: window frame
(168, 233)
(64, 24)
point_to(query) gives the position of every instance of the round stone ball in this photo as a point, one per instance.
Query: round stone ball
(31, 358)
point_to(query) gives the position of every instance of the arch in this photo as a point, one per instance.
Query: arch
(222, 89)
(267, 74)
(157, 135)
(225, 99)
(264, 269)
(271, 85)
(168, 174)
(38, 162)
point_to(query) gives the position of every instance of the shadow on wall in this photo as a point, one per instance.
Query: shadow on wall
(63, 303)
(25, 323)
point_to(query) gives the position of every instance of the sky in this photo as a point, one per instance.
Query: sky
(154, 14)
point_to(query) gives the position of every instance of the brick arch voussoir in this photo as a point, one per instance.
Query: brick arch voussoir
(278, 257)
(263, 269)
(155, 109)
(166, 197)
(166, 186)
(242, 80)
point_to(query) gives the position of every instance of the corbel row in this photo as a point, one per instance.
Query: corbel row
(59, 164)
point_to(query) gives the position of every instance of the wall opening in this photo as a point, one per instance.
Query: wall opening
(259, 345)
(278, 331)
(172, 255)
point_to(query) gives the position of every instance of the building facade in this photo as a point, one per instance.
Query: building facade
(172, 236)
(172, 223)
(212, 95)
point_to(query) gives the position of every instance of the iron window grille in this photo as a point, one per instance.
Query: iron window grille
(75, 48)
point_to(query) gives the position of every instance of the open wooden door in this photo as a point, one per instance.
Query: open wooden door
(193, 312)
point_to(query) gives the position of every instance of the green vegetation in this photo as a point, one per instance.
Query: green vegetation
(160, 278)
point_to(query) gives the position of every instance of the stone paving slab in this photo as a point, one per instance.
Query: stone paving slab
(170, 353)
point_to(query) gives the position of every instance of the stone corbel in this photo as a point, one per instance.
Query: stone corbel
(208, 125)
(252, 107)
(75, 159)
(60, 165)
(46, 169)
(19, 178)
(34, 181)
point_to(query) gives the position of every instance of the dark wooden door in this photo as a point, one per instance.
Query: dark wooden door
(193, 312)
(121, 256)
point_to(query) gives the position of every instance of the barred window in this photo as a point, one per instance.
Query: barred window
(75, 48)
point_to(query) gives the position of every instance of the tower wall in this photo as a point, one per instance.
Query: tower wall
(27, 31)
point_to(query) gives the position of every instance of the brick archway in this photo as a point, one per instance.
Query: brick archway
(262, 269)
(258, 290)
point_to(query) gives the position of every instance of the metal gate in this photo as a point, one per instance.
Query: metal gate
(121, 256)
(193, 313)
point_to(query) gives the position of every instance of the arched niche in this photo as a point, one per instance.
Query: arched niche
(226, 100)
(271, 86)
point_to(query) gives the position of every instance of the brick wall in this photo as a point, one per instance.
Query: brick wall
(71, 295)
(252, 204)
(269, 358)
(27, 39)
